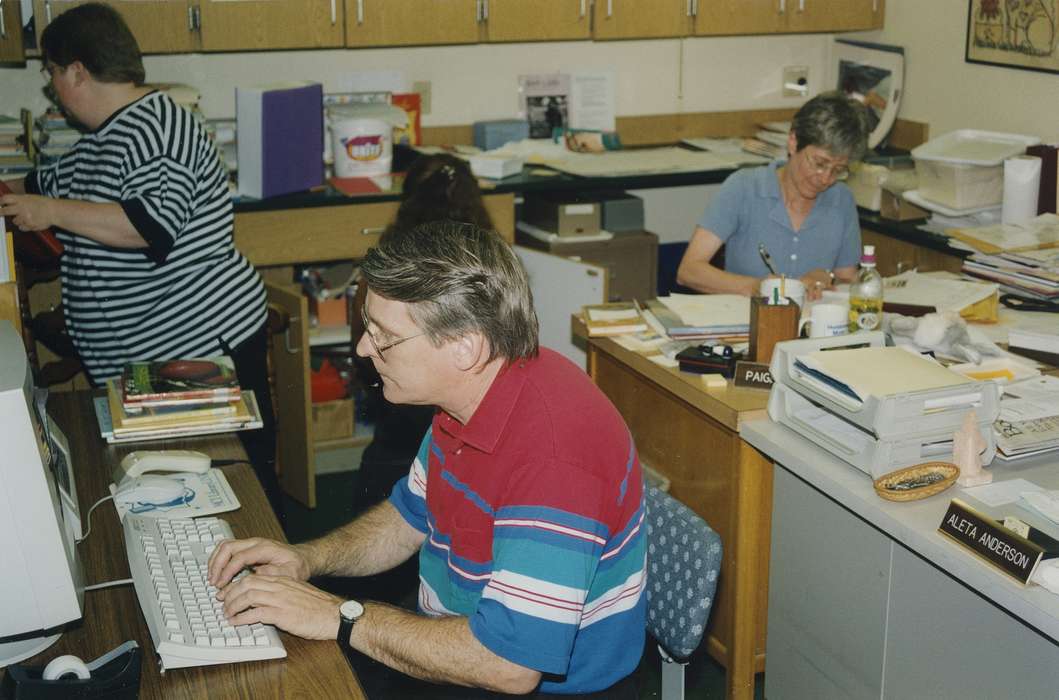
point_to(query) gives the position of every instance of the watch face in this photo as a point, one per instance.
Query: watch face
(351, 610)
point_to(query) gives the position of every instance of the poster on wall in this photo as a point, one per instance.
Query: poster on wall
(1014, 34)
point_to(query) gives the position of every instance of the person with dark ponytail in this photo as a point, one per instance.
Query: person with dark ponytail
(436, 188)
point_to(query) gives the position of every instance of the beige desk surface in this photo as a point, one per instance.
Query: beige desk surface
(112, 615)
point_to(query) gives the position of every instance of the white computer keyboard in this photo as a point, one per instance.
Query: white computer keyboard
(168, 560)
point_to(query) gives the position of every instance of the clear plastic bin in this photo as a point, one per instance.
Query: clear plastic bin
(958, 185)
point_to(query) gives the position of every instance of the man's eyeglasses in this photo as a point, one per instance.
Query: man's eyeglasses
(825, 168)
(380, 349)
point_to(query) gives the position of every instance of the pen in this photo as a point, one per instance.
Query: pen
(766, 258)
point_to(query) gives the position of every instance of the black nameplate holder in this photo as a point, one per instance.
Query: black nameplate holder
(753, 375)
(990, 541)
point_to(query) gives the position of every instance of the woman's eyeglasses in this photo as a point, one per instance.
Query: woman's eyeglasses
(825, 168)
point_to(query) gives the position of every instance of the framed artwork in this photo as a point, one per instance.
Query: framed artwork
(1014, 33)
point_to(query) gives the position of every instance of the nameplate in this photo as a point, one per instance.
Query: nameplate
(1014, 555)
(753, 375)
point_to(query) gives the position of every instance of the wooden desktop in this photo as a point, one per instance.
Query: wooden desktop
(691, 436)
(312, 669)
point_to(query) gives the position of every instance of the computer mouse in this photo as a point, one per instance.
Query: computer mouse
(149, 489)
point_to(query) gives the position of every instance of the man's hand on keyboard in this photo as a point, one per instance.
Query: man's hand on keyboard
(293, 606)
(267, 557)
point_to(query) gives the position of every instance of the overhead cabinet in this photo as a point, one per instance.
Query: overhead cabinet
(11, 32)
(269, 24)
(163, 26)
(412, 22)
(540, 20)
(183, 26)
(635, 19)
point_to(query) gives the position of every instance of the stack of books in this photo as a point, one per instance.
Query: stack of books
(55, 135)
(615, 318)
(14, 160)
(175, 398)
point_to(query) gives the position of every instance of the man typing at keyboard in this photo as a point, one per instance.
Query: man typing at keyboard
(524, 503)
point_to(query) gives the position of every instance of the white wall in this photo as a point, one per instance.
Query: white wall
(948, 93)
(479, 81)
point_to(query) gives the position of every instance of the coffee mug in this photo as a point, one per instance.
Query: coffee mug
(788, 288)
(826, 320)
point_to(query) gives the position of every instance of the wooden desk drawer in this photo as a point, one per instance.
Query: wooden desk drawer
(291, 236)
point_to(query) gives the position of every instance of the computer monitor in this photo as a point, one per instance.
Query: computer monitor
(42, 584)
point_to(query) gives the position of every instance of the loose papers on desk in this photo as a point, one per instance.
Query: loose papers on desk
(1040, 232)
(972, 300)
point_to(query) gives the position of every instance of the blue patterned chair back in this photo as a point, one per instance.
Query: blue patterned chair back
(683, 560)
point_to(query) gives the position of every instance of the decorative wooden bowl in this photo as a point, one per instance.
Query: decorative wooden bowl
(916, 482)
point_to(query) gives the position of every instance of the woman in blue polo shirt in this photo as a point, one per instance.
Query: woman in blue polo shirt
(797, 209)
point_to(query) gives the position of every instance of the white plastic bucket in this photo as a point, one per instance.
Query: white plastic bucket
(362, 147)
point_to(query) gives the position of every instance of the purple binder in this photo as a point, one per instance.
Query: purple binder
(281, 139)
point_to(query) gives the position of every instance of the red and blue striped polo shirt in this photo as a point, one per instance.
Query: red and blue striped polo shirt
(533, 513)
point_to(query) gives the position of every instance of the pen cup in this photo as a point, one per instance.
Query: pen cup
(770, 324)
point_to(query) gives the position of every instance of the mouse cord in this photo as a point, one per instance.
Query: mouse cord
(88, 518)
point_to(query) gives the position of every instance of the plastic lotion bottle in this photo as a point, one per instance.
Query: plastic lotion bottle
(866, 295)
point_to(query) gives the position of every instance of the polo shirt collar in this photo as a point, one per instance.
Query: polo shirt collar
(487, 425)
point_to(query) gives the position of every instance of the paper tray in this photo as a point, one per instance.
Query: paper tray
(887, 417)
(875, 457)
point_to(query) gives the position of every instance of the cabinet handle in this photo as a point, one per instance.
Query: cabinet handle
(801, 5)
(286, 337)
(695, 7)
(687, 11)
(198, 18)
(874, 6)
(783, 6)
(47, 11)
(485, 10)
(478, 11)
(360, 11)
(610, 8)
(191, 18)
(334, 17)
(3, 22)
(372, 230)
(583, 9)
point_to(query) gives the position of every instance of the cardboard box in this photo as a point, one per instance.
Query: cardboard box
(894, 206)
(621, 212)
(567, 214)
(329, 312)
(333, 420)
(495, 133)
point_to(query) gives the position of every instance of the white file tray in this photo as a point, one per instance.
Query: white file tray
(885, 417)
(851, 444)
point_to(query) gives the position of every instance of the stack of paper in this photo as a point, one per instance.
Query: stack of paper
(1040, 232)
(1029, 418)
(1033, 277)
(703, 316)
(878, 371)
(974, 301)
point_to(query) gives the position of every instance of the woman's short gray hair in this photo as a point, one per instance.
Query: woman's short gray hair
(457, 279)
(834, 122)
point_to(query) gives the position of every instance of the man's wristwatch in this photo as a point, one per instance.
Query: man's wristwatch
(349, 612)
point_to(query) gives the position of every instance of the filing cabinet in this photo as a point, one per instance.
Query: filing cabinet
(631, 258)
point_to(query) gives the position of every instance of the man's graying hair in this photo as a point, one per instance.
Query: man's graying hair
(833, 122)
(457, 279)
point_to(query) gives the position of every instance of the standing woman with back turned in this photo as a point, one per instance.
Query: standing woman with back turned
(141, 204)
(798, 210)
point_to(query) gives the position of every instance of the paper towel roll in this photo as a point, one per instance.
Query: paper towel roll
(1022, 179)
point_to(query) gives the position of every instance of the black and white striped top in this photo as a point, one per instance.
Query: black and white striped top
(190, 290)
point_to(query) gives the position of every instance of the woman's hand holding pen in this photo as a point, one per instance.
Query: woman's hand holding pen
(816, 281)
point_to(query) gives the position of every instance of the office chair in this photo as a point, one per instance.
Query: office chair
(683, 560)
